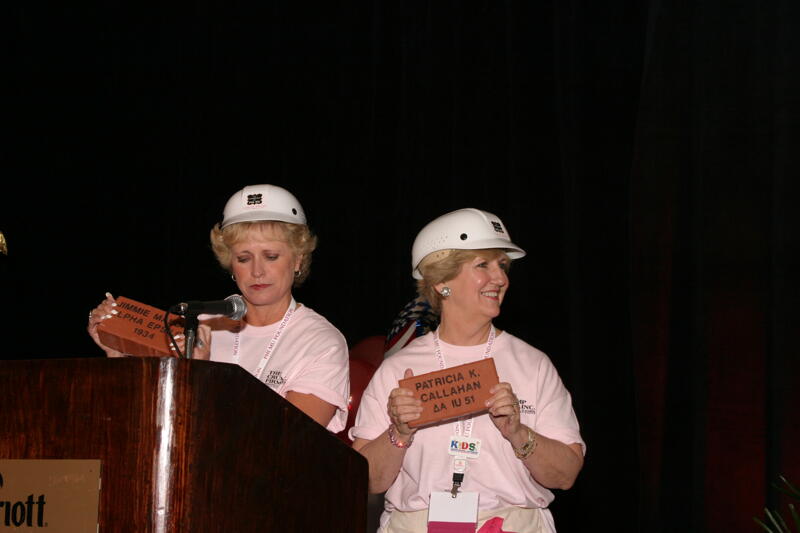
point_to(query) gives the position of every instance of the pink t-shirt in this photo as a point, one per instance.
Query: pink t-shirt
(501, 479)
(311, 357)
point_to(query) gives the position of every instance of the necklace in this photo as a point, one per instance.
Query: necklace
(262, 364)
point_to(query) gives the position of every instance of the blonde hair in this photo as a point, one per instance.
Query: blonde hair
(297, 236)
(444, 265)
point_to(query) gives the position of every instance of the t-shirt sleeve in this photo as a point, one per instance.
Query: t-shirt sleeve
(327, 378)
(372, 418)
(556, 417)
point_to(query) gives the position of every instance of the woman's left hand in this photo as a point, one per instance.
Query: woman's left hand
(553, 464)
(202, 347)
(504, 409)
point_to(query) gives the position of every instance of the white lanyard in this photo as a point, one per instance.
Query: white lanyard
(459, 462)
(272, 343)
(437, 349)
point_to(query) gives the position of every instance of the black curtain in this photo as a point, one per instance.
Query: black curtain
(714, 278)
(641, 152)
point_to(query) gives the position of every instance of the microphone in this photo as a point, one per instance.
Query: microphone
(233, 306)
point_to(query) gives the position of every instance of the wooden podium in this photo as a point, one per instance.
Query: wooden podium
(185, 446)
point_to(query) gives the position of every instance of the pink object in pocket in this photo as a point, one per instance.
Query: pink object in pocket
(493, 525)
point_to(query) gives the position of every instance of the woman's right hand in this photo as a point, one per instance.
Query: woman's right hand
(106, 309)
(402, 408)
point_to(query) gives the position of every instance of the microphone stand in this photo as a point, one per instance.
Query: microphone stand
(190, 332)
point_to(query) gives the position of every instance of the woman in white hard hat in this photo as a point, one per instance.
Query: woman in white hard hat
(264, 241)
(525, 443)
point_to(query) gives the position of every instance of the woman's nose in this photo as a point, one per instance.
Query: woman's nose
(499, 275)
(258, 269)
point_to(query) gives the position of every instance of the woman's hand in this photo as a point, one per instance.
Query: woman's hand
(504, 410)
(403, 408)
(202, 345)
(552, 463)
(106, 309)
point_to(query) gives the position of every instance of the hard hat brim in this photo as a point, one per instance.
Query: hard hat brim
(259, 216)
(512, 250)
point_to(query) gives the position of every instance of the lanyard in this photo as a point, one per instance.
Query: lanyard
(437, 349)
(272, 343)
(460, 463)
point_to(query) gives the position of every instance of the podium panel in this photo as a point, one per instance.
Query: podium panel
(184, 445)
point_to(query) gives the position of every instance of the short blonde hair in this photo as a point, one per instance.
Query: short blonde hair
(297, 236)
(444, 265)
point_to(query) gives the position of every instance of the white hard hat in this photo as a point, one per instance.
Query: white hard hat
(263, 202)
(464, 229)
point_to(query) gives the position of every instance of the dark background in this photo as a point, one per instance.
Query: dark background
(643, 153)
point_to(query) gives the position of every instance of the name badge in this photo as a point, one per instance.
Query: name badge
(450, 514)
(465, 446)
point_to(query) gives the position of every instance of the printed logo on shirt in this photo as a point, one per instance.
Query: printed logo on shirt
(465, 446)
(526, 408)
(274, 378)
(253, 199)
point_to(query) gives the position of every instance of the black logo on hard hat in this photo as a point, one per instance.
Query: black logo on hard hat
(497, 227)
(253, 199)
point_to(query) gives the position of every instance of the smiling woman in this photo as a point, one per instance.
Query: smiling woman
(528, 437)
(264, 241)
